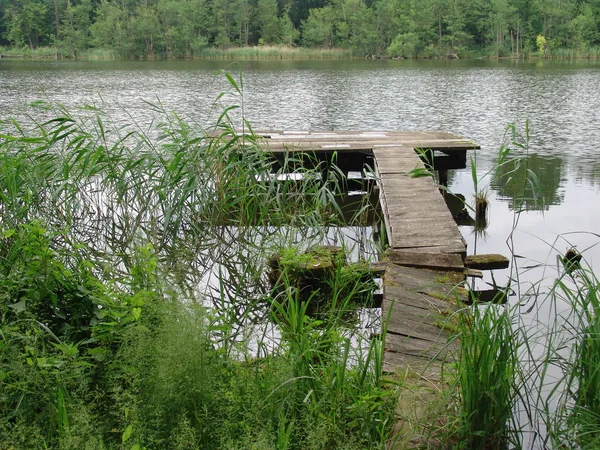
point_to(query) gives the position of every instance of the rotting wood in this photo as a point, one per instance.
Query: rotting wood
(487, 262)
(474, 273)
(441, 261)
(418, 304)
(377, 269)
(420, 366)
(495, 296)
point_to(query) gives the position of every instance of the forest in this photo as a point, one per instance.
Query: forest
(372, 28)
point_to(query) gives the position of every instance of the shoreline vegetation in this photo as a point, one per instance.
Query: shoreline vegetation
(237, 29)
(107, 343)
(287, 53)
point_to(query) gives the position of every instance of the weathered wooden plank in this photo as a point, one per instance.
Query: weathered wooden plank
(442, 261)
(427, 302)
(441, 349)
(487, 262)
(443, 142)
(424, 233)
(412, 307)
(457, 247)
(421, 137)
(400, 179)
(402, 187)
(473, 273)
(394, 362)
(397, 165)
(403, 209)
(416, 278)
(417, 216)
(402, 324)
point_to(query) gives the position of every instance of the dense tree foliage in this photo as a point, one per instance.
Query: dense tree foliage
(386, 28)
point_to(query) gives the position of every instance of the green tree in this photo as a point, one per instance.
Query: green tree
(109, 31)
(75, 29)
(476, 15)
(198, 24)
(269, 26)
(499, 27)
(26, 23)
(289, 33)
(242, 20)
(145, 28)
(541, 44)
(362, 26)
(456, 36)
(223, 18)
(184, 27)
(299, 9)
(415, 27)
(582, 29)
(317, 29)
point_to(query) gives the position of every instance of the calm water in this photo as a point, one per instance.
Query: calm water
(475, 99)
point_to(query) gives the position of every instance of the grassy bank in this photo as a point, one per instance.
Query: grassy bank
(135, 307)
(138, 310)
(29, 53)
(526, 373)
(274, 53)
(265, 52)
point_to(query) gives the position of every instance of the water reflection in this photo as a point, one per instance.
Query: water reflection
(533, 184)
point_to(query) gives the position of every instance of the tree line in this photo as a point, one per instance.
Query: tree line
(379, 28)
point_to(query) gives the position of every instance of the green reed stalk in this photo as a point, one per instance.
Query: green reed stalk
(106, 340)
(487, 373)
(578, 420)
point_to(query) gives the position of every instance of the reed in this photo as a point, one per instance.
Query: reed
(33, 53)
(592, 52)
(488, 378)
(101, 54)
(108, 341)
(572, 409)
(275, 53)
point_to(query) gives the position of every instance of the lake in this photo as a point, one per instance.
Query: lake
(474, 99)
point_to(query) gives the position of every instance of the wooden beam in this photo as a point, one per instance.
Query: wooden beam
(487, 262)
(439, 261)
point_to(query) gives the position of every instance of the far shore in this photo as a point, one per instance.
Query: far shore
(274, 53)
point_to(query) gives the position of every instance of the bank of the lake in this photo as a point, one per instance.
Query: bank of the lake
(285, 52)
(256, 53)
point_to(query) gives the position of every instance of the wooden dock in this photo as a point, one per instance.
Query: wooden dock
(426, 250)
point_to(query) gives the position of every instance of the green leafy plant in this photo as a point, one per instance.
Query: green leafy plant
(133, 293)
(488, 378)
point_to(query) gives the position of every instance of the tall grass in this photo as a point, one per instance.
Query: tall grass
(488, 379)
(527, 373)
(572, 409)
(274, 52)
(101, 54)
(570, 53)
(262, 52)
(34, 53)
(134, 296)
(492, 381)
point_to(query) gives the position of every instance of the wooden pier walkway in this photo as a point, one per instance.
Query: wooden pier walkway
(426, 250)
